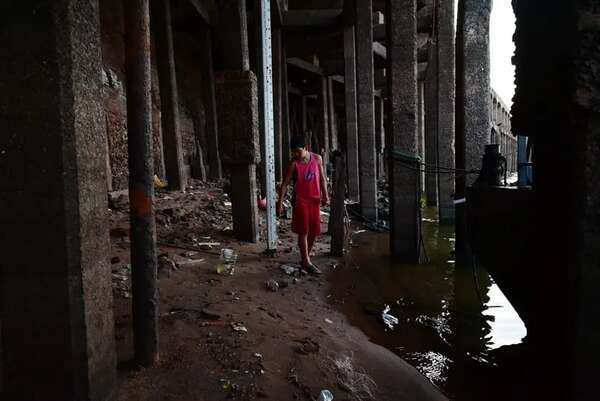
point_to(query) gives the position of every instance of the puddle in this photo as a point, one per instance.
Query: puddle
(452, 320)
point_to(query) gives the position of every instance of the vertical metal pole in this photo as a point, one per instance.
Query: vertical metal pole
(267, 77)
(141, 190)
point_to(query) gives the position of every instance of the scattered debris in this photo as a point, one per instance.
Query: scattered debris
(325, 395)
(239, 327)
(328, 321)
(190, 263)
(290, 270)
(389, 320)
(272, 285)
(158, 183)
(227, 265)
(358, 384)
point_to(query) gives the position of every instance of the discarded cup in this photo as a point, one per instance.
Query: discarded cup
(325, 395)
(227, 265)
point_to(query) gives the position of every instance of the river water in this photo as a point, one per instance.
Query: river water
(454, 323)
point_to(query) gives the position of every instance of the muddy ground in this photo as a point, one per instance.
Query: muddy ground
(230, 337)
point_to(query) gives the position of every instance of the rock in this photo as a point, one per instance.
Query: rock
(166, 267)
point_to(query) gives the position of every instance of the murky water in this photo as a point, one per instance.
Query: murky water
(454, 323)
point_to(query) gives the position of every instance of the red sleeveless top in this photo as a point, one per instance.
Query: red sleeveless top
(308, 180)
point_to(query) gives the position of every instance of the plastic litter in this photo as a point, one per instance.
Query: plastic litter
(389, 320)
(272, 285)
(325, 395)
(290, 270)
(227, 265)
(239, 327)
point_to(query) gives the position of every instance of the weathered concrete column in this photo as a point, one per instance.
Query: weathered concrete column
(446, 85)
(421, 127)
(215, 170)
(57, 313)
(472, 103)
(333, 139)
(323, 120)
(169, 98)
(380, 136)
(351, 114)
(402, 102)
(337, 226)
(286, 132)
(237, 107)
(366, 111)
(431, 122)
(277, 98)
(141, 183)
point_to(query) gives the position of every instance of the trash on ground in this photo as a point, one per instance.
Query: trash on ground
(389, 320)
(190, 263)
(227, 265)
(239, 327)
(325, 395)
(328, 321)
(290, 270)
(272, 285)
(158, 183)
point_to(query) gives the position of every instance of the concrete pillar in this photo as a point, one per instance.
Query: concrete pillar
(277, 98)
(351, 113)
(286, 133)
(337, 224)
(472, 103)
(431, 122)
(333, 141)
(237, 101)
(169, 98)
(402, 102)
(215, 170)
(380, 136)
(421, 128)
(323, 120)
(366, 111)
(57, 309)
(446, 84)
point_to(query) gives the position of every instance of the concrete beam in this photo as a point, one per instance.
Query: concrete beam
(305, 65)
(311, 18)
(206, 9)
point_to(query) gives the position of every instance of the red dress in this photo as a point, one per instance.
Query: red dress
(306, 218)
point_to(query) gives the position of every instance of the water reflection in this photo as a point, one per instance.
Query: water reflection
(450, 317)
